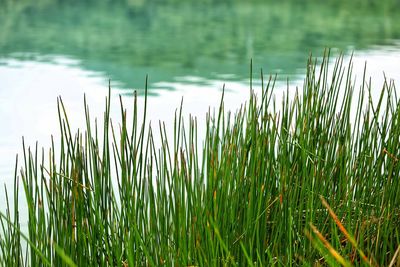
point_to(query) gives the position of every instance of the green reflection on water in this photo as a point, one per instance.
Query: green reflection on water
(128, 39)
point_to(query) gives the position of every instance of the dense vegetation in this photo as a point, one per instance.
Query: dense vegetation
(314, 181)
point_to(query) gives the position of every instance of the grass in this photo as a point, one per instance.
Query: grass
(314, 182)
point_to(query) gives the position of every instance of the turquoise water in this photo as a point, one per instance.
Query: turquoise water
(126, 41)
(191, 49)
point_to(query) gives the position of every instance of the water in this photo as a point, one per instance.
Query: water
(188, 49)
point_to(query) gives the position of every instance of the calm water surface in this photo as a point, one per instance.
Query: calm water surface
(51, 48)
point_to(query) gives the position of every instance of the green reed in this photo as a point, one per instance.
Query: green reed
(253, 191)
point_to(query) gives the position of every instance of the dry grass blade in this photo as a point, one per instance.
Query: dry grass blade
(395, 256)
(345, 232)
(328, 246)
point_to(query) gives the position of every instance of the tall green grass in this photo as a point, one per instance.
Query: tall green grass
(313, 180)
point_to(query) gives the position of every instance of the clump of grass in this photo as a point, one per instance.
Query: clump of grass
(250, 194)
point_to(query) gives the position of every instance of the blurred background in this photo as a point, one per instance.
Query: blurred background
(211, 39)
(188, 48)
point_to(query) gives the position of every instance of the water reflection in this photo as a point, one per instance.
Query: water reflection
(126, 41)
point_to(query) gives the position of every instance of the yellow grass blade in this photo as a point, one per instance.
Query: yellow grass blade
(328, 246)
(345, 232)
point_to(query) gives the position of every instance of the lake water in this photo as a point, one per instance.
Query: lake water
(188, 49)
